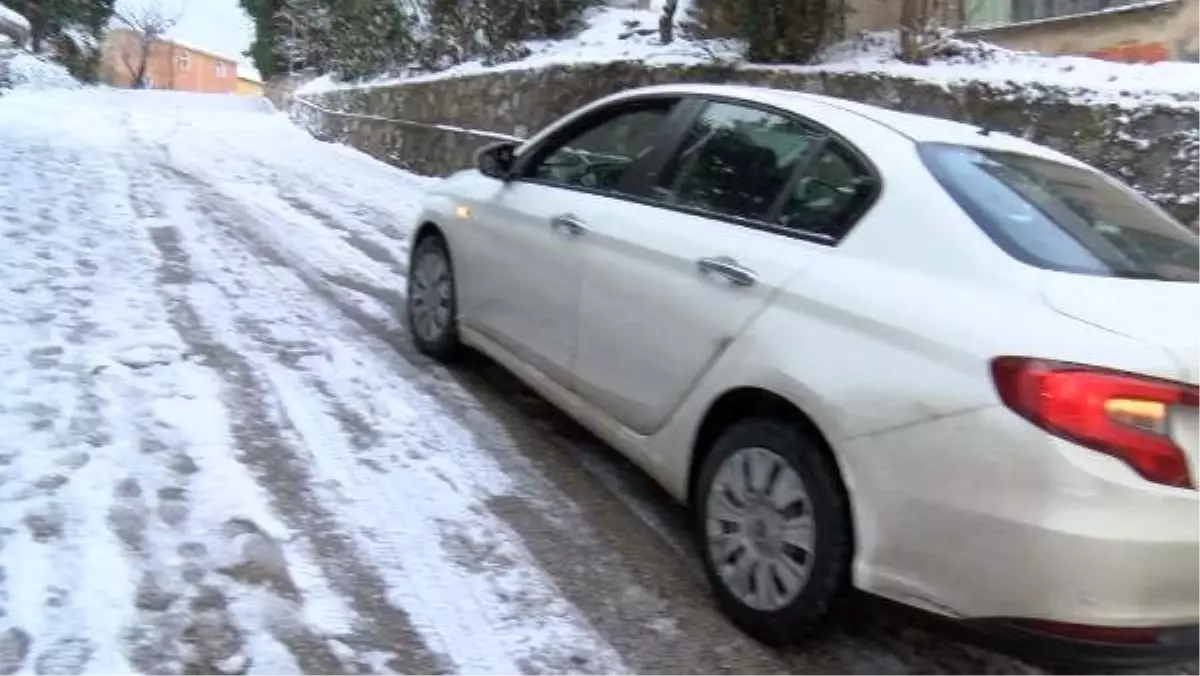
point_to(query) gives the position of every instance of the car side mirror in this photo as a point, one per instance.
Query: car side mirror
(496, 160)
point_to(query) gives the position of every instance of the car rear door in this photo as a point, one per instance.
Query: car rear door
(730, 217)
(527, 248)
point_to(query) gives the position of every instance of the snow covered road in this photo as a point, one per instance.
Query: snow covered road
(218, 453)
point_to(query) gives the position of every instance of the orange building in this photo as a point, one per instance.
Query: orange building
(169, 65)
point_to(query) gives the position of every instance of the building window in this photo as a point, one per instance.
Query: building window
(183, 60)
(220, 69)
(994, 12)
(988, 12)
(1032, 10)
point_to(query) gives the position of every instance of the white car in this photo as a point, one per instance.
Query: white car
(938, 363)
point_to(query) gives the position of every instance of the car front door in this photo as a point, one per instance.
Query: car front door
(527, 253)
(667, 290)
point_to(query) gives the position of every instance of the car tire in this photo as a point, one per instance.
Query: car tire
(783, 614)
(431, 305)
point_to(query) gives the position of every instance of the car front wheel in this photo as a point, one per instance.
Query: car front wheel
(773, 528)
(431, 303)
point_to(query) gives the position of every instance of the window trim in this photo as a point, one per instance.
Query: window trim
(687, 108)
(700, 103)
(537, 152)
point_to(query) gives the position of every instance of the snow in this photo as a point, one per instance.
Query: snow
(192, 412)
(19, 68)
(11, 17)
(1090, 81)
(609, 37)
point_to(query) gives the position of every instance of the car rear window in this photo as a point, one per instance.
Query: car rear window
(1064, 218)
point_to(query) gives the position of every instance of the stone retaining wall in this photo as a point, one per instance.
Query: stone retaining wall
(1156, 149)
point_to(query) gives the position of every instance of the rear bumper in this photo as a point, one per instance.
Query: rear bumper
(1174, 645)
(981, 515)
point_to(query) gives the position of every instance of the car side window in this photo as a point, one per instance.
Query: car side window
(735, 160)
(598, 155)
(830, 195)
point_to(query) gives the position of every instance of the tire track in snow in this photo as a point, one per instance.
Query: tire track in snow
(368, 246)
(197, 613)
(264, 440)
(493, 630)
(266, 444)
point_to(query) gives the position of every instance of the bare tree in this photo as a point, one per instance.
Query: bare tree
(921, 22)
(149, 21)
(666, 22)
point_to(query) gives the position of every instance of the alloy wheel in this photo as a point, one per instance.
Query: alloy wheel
(430, 295)
(760, 531)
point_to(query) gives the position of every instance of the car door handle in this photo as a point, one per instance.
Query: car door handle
(568, 225)
(729, 268)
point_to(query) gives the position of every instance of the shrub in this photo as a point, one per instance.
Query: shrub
(775, 31)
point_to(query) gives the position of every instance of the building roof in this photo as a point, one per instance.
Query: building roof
(184, 45)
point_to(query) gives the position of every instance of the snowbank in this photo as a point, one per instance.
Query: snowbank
(22, 69)
(10, 17)
(958, 62)
(618, 34)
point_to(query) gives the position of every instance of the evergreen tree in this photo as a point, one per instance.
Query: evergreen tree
(368, 37)
(303, 34)
(70, 30)
(263, 48)
(775, 31)
(461, 30)
(361, 38)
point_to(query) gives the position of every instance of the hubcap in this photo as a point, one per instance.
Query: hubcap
(429, 295)
(760, 530)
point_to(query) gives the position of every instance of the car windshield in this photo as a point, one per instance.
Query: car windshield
(1059, 217)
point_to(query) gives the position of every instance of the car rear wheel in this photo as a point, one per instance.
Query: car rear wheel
(431, 303)
(773, 528)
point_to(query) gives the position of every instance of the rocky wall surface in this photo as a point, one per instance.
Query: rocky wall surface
(1155, 148)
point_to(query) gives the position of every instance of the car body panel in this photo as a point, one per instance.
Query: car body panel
(646, 281)
(531, 307)
(1158, 313)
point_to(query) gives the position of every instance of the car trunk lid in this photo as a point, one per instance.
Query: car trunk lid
(1166, 314)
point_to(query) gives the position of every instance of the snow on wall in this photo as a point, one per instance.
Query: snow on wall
(9, 15)
(1136, 121)
(622, 33)
(13, 24)
(1155, 147)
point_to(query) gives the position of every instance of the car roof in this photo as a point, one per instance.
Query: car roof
(919, 128)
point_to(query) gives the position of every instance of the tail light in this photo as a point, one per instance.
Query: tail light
(1124, 415)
